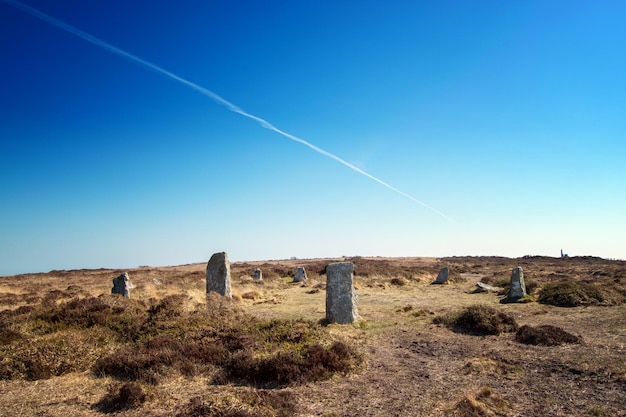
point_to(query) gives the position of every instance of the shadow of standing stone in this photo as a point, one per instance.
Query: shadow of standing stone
(122, 285)
(218, 275)
(341, 297)
(442, 276)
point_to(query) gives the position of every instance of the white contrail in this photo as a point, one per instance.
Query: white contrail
(230, 106)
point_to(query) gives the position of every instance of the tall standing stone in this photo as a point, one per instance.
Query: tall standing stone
(122, 285)
(299, 274)
(341, 297)
(258, 275)
(218, 275)
(442, 277)
(518, 287)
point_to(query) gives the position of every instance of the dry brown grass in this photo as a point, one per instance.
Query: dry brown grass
(413, 366)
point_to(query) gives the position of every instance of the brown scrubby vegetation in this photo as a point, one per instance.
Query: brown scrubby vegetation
(121, 397)
(580, 293)
(479, 320)
(546, 335)
(252, 403)
(69, 348)
(130, 340)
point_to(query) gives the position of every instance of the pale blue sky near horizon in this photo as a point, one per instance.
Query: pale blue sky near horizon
(507, 117)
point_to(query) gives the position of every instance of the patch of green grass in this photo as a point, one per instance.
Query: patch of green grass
(522, 300)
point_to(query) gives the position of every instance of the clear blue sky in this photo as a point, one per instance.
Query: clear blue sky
(509, 117)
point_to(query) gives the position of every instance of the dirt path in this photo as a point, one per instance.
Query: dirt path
(430, 372)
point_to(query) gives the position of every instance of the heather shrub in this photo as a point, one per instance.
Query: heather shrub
(478, 320)
(122, 397)
(578, 293)
(314, 363)
(380, 268)
(131, 341)
(546, 335)
(50, 355)
(8, 335)
(398, 281)
(119, 314)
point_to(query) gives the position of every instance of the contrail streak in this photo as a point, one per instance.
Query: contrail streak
(230, 106)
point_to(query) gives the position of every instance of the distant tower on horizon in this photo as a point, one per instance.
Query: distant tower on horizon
(563, 255)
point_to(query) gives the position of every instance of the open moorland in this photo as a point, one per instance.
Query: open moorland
(70, 348)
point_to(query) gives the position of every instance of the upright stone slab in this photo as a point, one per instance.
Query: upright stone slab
(341, 297)
(442, 277)
(122, 285)
(518, 287)
(258, 275)
(299, 274)
(218, 275)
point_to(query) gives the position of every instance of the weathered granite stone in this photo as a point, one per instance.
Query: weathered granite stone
(442, 276)
(122, 285)
(299, 274)
(341, 297)
(258, 275)
(218, 275)
(518, 287)
(482, 287)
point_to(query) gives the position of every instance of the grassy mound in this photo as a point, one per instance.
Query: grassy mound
(479, 320)
(578, 293)
(546, 335)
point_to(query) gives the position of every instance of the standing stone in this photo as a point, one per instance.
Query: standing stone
(122, 285)
(218, 275)
(299, 274)
(258, 275)
(518, 287)
(341, 297)
(442, 277)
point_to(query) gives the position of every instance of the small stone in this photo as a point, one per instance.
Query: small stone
(482, 287)
(442, 277)
(258, 275)
(122, 285)
(218, 275)
(341, 297)
(299, 274)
